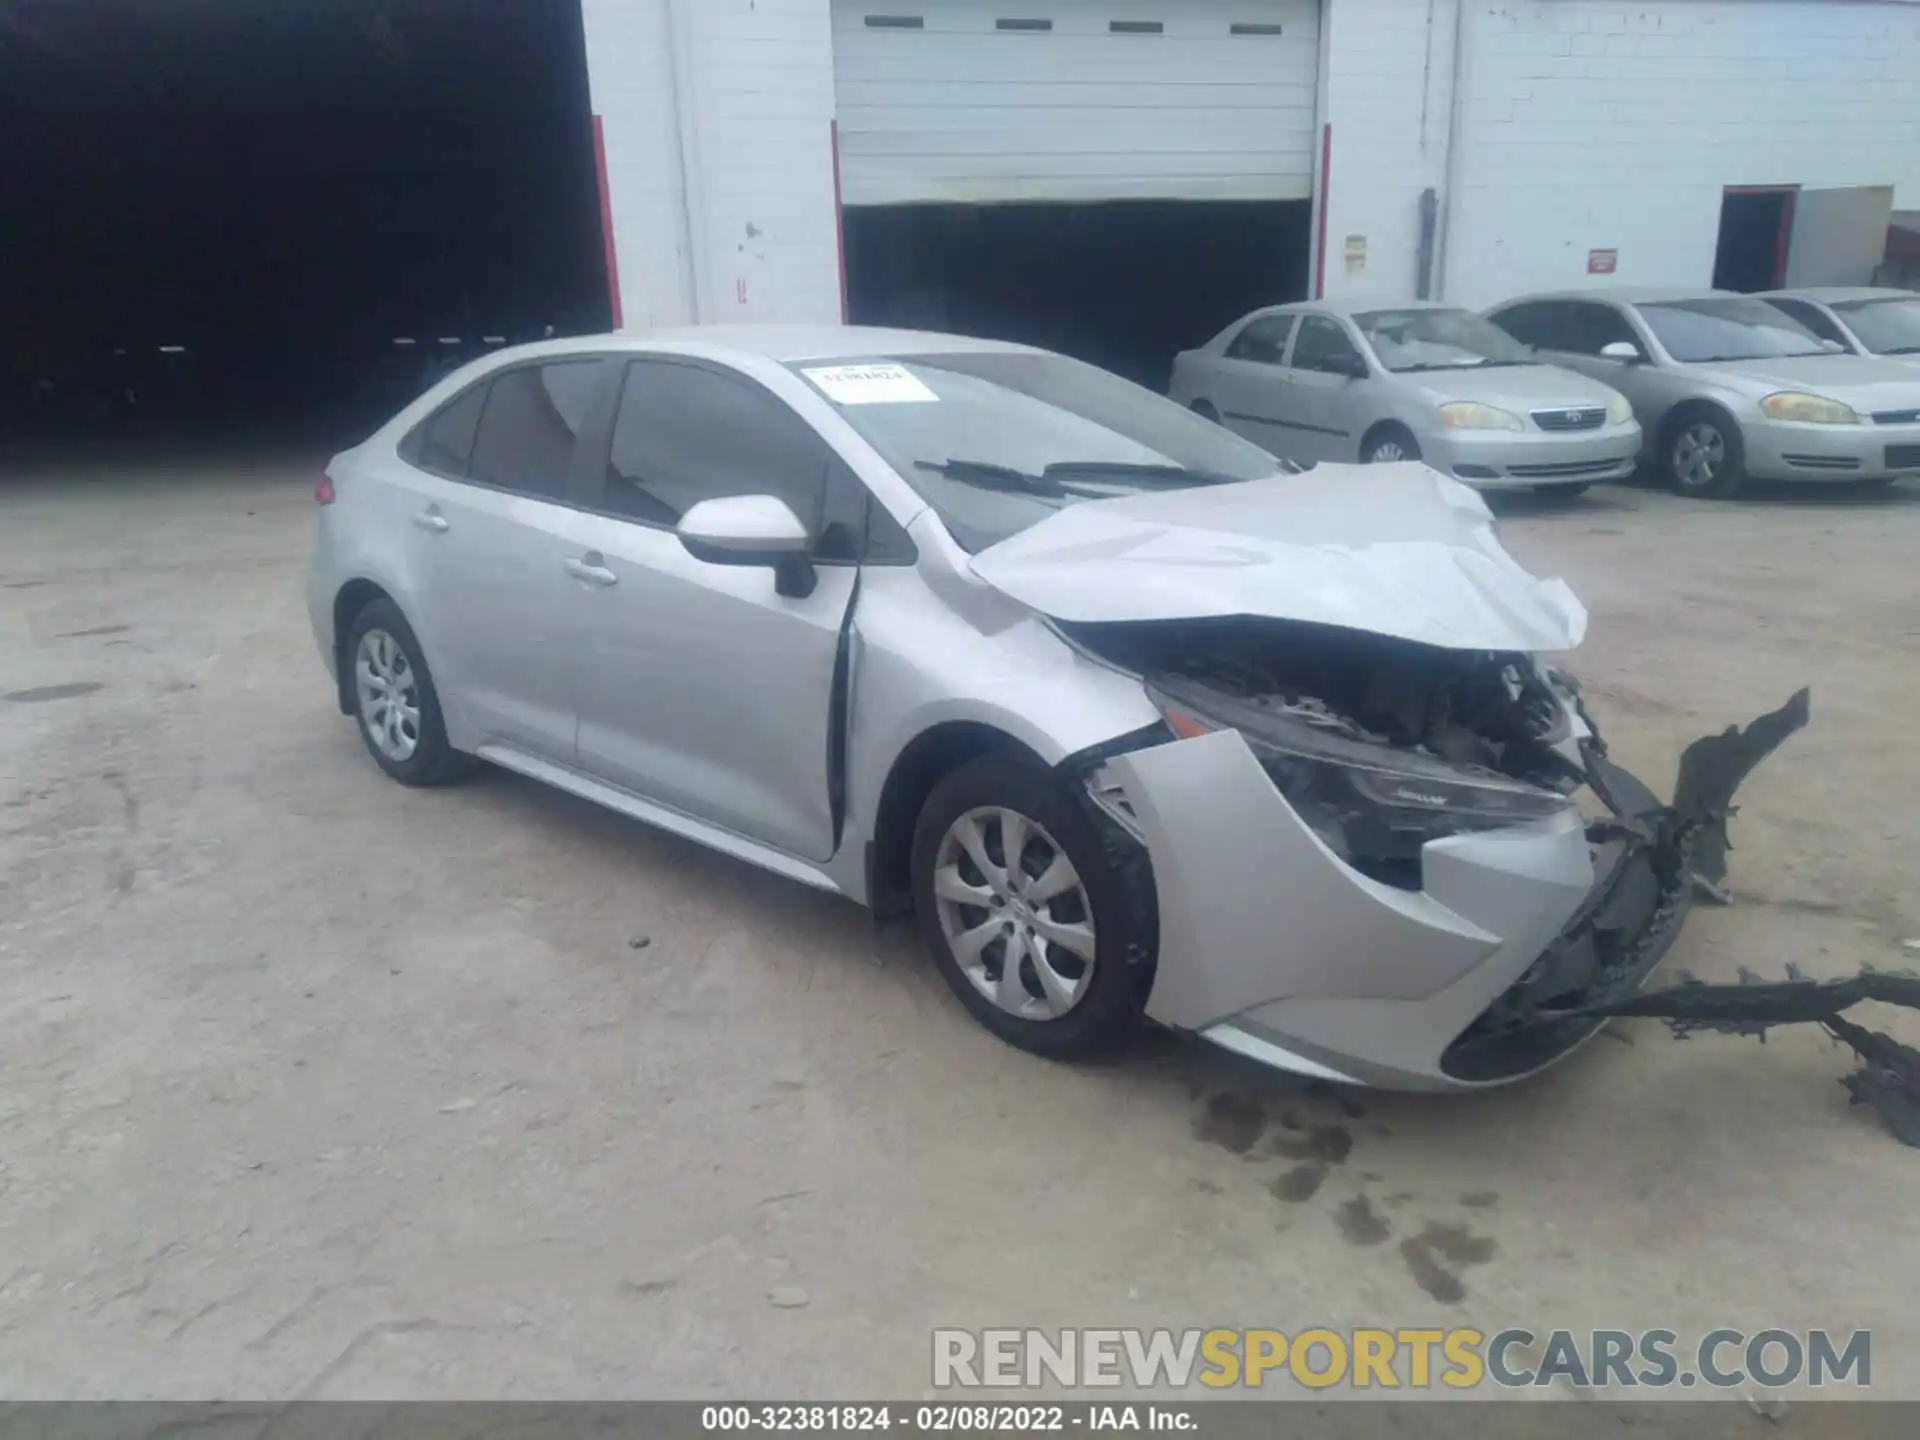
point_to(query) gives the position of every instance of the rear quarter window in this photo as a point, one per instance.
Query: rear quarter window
(443, 442)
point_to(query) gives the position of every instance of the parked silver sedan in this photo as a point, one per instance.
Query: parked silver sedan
(1326, 381)
(1134, 721)
(1729, 387)
(1862, 320)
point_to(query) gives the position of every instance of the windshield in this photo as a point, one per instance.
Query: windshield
(1728, 328)
(997, 440)
(1439, 340)
(1886, 327)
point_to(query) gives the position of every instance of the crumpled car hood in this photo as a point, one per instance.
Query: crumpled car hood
(1398, 550)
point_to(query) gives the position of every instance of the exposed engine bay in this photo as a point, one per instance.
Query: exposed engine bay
(1381, 744)
(1483, 710)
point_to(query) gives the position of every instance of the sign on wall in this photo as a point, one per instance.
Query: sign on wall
(1602, 262)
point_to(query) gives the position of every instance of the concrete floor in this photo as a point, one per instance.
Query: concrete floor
(314, 1086)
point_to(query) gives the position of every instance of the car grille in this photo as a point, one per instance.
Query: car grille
(1564, 469)
(1576, 419)
(1822, 462)
(1903, 457)
(1896, 417)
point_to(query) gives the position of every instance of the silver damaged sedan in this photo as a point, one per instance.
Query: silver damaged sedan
(1135, 720)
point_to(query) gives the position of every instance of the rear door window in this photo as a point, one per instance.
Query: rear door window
(532, 420)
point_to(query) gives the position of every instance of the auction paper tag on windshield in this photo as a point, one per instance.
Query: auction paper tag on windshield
(870, 385)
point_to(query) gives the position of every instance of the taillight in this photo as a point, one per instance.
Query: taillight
(323, 489)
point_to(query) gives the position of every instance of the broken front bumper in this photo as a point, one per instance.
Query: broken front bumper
(1273, 946)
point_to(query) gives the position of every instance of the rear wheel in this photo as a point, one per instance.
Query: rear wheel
(1029, 909)
(1704, 456)
(1388, 444)
(395, 702)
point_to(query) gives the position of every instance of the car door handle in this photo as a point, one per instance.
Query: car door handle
(591, 568)
(431, 520)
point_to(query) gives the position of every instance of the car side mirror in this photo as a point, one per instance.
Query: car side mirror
(1354, 367)
(752, 530)
(1625, 351)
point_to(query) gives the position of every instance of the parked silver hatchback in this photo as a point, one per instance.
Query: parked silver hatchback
(1729, 387)
(1132, 720)
(1327, 381)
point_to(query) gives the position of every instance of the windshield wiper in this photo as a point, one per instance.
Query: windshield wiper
(1056, 480)
(1902, 350)
(985, 475)
(1138, 474)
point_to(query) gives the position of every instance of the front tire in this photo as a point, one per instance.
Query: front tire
(394, 702)
(1388, 444)
(1705, 458)
(1204, 409)
(1039, 921)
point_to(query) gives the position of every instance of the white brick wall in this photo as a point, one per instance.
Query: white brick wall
(716, 117)
(1386, 89)
(1601, 124)
(1588, 124)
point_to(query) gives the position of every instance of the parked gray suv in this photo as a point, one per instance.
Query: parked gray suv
(1728, 387)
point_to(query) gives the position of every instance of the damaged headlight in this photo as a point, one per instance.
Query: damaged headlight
(1373, 805)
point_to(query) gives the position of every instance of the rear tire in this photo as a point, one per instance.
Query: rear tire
(394, 702)
(1703, 455)
(1074, 908)
(1388, 444)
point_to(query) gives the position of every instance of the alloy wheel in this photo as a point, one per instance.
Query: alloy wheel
(1014, 912)
(1386, 452)
(1699, 455)
(389, 695)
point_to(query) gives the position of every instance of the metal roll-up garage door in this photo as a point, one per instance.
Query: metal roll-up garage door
(966, 101)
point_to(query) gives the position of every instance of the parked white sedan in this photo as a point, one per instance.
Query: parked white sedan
(1325, 381)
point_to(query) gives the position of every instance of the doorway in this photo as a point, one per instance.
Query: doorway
(1122, 284)
(1756, 229)
(285, 217)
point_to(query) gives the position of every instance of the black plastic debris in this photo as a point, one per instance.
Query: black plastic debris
(1888, 1077)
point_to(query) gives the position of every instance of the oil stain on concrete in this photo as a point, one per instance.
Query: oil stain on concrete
(1360, 1223)
(1299, 1184)
(1452, 1244)
(1230, 1120)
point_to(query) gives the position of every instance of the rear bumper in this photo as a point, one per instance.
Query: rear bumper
(1494, 459)
(1272, 946)
(1778, 450)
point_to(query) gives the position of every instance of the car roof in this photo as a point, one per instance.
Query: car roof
(1628, 294)
(1351, 308)
(1841, 294)
(775, 342)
